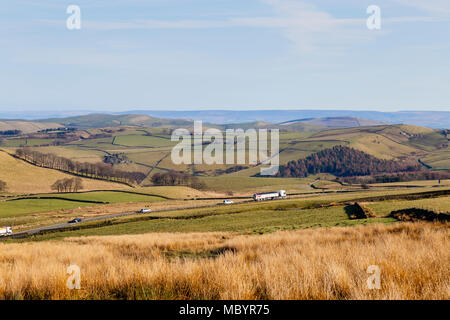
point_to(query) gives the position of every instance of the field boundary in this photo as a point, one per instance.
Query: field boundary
(58, 198)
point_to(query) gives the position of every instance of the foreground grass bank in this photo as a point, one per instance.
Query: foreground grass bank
(326, 263)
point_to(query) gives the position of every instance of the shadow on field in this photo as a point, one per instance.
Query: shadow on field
(354, 211)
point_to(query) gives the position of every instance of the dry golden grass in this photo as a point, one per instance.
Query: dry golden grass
(311, 264)
(22, 177)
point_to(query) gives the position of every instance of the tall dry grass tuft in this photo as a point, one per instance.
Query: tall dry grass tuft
(414, 259)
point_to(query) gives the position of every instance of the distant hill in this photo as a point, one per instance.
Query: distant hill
(91, 121)
(432, 119)
(333, 122)
(108, 120)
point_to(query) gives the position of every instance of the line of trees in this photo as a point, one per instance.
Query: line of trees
(85, 169)
(176, 178)
(68, 185)
(10, 132)
(63, 130)
(343, 161)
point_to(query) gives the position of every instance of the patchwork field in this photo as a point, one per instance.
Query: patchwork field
(149, 150)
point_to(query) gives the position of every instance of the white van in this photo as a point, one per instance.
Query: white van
(5, 231)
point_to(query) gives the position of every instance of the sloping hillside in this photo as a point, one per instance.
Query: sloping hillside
(27, 126)
(22, 177)
(388, 141)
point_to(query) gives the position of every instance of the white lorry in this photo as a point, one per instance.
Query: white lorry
(280, 194)
(5, 231)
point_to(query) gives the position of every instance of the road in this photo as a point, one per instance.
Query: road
(62, 226)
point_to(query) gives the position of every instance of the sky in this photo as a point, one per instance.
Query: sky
(224, 54)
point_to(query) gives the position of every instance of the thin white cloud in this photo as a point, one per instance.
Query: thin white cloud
(304, 24)
(435, 7)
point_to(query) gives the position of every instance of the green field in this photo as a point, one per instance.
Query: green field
(143, 141)
(297, 213)
(383, 208)
(439, 160)
(108, 196)
(28, 206)
(231, 219)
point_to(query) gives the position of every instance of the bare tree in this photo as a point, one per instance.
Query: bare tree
(3, 186)
(77, 185)
(68, 185)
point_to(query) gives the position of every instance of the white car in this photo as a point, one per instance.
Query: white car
(145, 210)
(227, 202)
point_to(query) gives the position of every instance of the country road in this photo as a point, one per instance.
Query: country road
(62, 226)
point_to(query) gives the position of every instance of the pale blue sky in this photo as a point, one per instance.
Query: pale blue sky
(224, 54)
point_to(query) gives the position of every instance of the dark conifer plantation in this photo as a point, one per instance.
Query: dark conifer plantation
(343, 161)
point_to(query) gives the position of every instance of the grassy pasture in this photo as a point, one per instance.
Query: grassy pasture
(428, 142)
(144, 141)
(439, 160)
(16, 143)
(383, 208)
(382, 147)
(27, 206)
(107, 196)
(31, 213)
(227, 220)
(296, 213)
(237, 183)
(74, 153)
(22, 177)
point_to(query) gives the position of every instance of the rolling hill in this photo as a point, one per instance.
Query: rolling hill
(334, 122)
(108, 120)
(27, 126)
(388, 141)
(432, 119)
(22, 177)
(92, 121)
